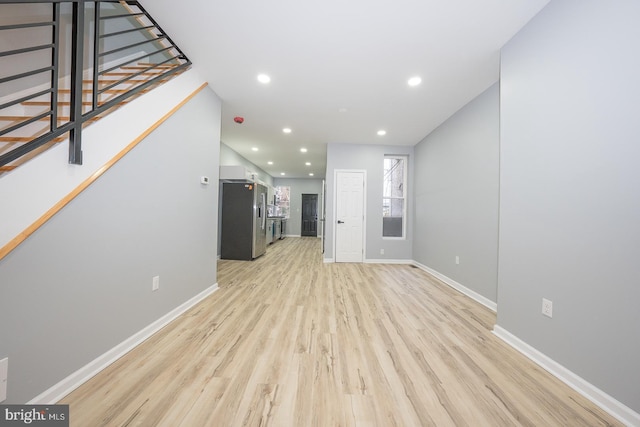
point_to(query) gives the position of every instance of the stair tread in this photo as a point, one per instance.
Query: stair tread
(20, 118)
(67, 118)
(125, 73)
(149, 64)
(91, 91)
(18, 139)
(108, 81)
(45, 103)
(15, 139)
(134, 67)
(16, 118)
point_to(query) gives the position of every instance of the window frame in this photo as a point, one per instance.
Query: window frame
(405, 160)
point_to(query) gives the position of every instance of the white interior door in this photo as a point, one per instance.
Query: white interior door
(349, 216)
(322, 214)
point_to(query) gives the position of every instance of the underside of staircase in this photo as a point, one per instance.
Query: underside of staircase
(90, 73)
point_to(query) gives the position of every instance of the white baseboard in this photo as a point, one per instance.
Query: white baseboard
(617, 409)
(372, 261)
(460, 288)
(388, 261)
(82, 375)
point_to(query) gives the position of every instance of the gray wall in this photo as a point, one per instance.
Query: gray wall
(298, 188)
(456, 203)
(569, 199)
(81, 284)
(370, 158)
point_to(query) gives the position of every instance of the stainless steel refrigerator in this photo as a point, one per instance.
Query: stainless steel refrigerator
(244, 220)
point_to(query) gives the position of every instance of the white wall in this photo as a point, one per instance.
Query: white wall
(370, 158)
(456, 207)
(570, 190)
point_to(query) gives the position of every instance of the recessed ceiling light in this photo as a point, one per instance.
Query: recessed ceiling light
(303, 150)
(286, 130)
(311, 174)
(382, 132)
(269, 162)
(308, 163)
(282, 173)
(263, 78)
(414, 81)
(254, 149)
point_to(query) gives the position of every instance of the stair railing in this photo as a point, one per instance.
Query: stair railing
(93, 41)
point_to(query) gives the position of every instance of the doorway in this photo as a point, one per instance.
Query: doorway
(309, 215)
(349, 228)
(323, 214)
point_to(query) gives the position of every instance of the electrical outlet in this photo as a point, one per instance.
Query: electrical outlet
(4, 370)
(156, 283)
(381, 251)
(457, 260)
(547, 307)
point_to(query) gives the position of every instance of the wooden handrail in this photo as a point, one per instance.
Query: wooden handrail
(16, 241)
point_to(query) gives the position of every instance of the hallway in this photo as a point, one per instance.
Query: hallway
(290, 341)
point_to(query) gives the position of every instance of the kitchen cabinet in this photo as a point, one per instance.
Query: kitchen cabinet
(270, 225)
(237, 173)
(277, 231)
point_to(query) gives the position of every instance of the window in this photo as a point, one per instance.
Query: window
(282, 200)
(394, 201)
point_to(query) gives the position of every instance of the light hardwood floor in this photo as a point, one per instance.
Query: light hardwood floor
(290, 341)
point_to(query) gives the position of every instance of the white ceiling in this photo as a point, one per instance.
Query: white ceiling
(339, 68)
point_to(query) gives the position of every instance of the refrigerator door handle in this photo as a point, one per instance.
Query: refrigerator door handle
(263, 205)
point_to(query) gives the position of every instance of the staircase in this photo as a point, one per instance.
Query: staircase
(89, 73)
(31, 119)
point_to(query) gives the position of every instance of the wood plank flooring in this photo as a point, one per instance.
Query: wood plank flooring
(290, 341)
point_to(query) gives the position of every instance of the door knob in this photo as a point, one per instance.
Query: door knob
(340, 222)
